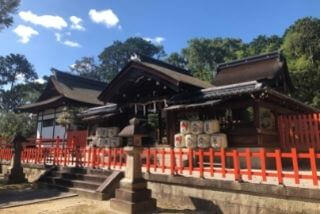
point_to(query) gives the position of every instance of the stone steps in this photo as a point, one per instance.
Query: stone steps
(90, 183)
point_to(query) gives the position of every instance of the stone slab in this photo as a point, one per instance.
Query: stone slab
(133, 196)
(120, 206)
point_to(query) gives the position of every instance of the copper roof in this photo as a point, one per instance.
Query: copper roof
(257, 68)
(69, 86)
(177, 77)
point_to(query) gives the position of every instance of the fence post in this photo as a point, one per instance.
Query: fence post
(211, 157)
(248, 163)
(163, 167)
(295, 165)
(190, 159)
(201, 162)
(236, 167)
(180, 161)
(172, 161)
(279, 165)
(223, 162)
(313, 166)
(262, 156)
(148, 160)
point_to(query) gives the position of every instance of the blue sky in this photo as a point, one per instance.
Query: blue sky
(50, 38)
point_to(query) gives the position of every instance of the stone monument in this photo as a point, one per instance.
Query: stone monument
(15, 171)
(133, 196)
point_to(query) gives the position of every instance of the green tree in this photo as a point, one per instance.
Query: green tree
(87, 67)
(7, 9)
(19, 95)
(12, 123)
(263, 44)
(301, 46)
(203, 55)
(15, 69)
(177, 59)
(116, 56)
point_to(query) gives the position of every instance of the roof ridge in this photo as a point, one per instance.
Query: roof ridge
(85, 79)
(251, 59)
(175, 68)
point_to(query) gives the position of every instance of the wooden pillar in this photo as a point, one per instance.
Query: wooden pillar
(54, 123)
(171, 127)
(256, 110)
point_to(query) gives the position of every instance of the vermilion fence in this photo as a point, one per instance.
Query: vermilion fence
(245, 165)
(300, 131)
(5, 154)
(77, 157)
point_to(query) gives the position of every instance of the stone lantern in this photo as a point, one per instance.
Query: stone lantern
(133, 196)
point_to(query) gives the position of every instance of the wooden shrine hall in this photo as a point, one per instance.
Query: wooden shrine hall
(63, 90)
(245, 96)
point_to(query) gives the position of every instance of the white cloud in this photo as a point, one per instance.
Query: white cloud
(107, 17)
(40, 80)
(58, 37)
(47, 21)
(156, 40)
(76, 23)
(71, 44)
(25, 33)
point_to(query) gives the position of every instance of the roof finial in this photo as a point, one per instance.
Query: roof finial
(135, 57)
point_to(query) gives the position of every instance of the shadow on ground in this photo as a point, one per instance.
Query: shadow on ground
(26, 193)
(202, 206)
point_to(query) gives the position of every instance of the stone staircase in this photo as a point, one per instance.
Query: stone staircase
(91, 183)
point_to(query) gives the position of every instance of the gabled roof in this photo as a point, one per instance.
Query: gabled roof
(66, 86)
(266, 67)
(176, 78)
(237, 90)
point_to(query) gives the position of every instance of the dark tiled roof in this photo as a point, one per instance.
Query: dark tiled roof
(258, 68)
(229, 91)
(69, 86)
(177, 76)
(46, 102)
(78, 88)
(217, 92)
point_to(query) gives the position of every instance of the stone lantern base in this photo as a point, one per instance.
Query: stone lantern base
(133, 197)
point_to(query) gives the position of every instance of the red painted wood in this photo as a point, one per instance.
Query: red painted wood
(313, 166)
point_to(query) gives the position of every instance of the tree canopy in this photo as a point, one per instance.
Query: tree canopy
(114, 57)
(16, 86)
(301, 46)
(7, 9)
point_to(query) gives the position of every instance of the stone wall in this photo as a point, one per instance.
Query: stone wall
(231, 197)
(32, 172)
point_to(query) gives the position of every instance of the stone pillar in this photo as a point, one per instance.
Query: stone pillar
(15, 172)
(133, 196)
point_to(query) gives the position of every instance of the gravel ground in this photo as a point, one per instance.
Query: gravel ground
(79, 205)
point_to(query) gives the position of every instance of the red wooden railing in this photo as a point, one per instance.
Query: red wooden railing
(5, 154)
(300, 131)
(113, 158)
(208, 163)
(229, 164)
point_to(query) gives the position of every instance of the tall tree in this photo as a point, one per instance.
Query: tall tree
(19, 95)
(264, 44)
(203, 55)
(177, 59)
(14, 69)
(115, 57)
(7, 8)
(87, 67)
(301, 46)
